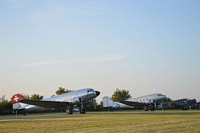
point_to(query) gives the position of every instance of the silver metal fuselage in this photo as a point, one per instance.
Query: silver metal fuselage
(145, 100)
(148, 99)
(85, 95)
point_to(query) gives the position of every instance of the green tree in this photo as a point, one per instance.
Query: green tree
(167, 100)
(101, 103)
(36, 97)
(120, 95)
(5, 107)
(62, 90)
(27, 97)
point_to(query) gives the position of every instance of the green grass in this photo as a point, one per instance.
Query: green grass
(117, 121)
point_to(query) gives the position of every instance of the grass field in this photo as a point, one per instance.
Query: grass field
(118, 121)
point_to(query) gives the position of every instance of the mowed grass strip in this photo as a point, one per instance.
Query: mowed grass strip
(118, 121)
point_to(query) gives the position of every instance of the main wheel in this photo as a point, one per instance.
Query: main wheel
(82, 111)
(146, 108)
(70, 111)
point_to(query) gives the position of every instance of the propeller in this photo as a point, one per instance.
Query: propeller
(80, 100)
(154, 103)
(94, 103)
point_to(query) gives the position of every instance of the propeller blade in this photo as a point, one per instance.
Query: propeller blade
(94, 104)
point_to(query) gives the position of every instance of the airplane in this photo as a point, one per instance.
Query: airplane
(184, 104)
(147, 102)
(67, 101)
(110, 104)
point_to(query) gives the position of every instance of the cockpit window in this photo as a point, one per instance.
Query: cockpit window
(90, 90)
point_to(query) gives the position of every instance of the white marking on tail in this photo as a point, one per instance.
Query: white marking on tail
(16, 98)
(16, 101)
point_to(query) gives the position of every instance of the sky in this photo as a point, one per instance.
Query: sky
(141, 46)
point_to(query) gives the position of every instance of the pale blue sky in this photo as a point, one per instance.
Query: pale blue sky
(141, 46)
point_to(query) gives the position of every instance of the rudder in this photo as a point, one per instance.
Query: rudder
(107, 102)
(16, 101)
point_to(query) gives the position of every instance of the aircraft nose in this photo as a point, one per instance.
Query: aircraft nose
(97, 93)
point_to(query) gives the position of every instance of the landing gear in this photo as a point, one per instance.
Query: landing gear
(69, 110)
(82, 111)
(146, 108)
(152, 109)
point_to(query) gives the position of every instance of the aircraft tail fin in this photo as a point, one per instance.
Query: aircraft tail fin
(107, 102)
(16, 101)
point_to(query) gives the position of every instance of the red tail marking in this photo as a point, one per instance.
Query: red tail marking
(17, 98)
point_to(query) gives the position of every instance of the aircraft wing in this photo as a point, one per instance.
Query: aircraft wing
(131, 103)
(19, 109)
(47, 104)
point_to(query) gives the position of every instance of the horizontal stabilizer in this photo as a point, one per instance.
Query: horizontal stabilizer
(107, 102)
(19, 109)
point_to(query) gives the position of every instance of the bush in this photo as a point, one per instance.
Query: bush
(5, 107)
